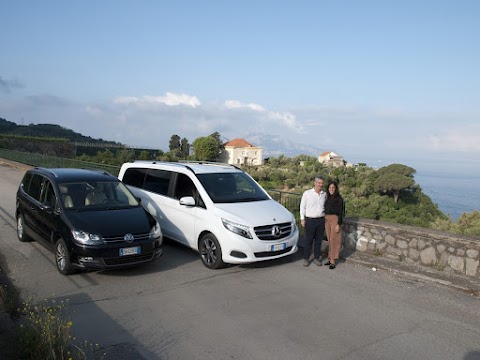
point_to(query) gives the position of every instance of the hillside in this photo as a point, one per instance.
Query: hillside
(48, 131)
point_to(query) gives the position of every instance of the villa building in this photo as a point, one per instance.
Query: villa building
(240, 151)
(332, 159)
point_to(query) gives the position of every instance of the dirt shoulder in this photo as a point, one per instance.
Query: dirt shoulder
(8, 325)
(14, 164)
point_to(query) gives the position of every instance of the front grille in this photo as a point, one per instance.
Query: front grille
(272, 253)
(266, 233)
(118, 239)
(126, 260)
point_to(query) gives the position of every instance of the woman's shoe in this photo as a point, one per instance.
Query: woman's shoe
(332, 266)
(327, 263)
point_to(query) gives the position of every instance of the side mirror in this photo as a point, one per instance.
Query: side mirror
(187, 201)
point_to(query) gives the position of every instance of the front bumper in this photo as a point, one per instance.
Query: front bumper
(109, 257)
(239, 250)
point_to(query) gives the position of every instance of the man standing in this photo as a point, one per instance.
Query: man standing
(312, 217)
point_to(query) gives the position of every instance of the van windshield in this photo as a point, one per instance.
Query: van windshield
(231, 187)
(96, 195)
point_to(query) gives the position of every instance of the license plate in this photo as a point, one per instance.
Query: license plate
(278, 247)
(130, 251)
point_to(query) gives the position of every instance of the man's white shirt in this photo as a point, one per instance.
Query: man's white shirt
(312, 204)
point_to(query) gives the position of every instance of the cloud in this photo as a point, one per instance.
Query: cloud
(148, 102)
(465, 139)
(354, 132)
(7, 86)
(287, 119)
(265, 116)
(235, 104)
(46, 100)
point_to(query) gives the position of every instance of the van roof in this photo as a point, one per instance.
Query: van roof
(73, 174)
(197, 167)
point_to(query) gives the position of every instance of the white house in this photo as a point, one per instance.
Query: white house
(330, 158)
(240, 151)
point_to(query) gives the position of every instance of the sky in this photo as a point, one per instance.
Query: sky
(376, 81)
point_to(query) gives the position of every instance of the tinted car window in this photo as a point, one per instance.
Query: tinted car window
(157, 181)
(134, 177)
(231, 187)
(48, 196)
(26, 181)
(35, 188)
(184, 187)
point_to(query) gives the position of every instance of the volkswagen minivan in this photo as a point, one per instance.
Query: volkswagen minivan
(87, 218)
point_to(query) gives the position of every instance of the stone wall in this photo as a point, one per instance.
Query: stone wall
(444, 251)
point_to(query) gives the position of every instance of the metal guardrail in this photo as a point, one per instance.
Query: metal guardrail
(53, 161)
(291, 201)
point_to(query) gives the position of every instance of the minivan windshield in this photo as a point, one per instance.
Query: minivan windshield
(231, 187)
(96, 195)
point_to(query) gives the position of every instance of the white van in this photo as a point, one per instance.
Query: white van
(216, 209)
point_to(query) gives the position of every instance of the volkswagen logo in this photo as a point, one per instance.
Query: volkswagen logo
(276, 231)
(128, 238)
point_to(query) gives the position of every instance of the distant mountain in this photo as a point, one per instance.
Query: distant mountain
(275, 145)
(47, 130)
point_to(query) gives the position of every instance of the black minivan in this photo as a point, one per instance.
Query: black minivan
(88, 218)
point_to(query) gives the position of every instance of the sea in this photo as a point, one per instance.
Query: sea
(452, 184)
(454, 193)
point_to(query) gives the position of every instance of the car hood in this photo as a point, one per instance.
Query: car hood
(255, 213)
(111, 222)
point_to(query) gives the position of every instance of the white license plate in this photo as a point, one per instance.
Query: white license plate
(278, 247)
(130, 251)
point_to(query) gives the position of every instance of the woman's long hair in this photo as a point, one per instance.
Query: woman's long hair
(336, 193)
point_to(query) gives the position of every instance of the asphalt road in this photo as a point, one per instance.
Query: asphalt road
(176, 308)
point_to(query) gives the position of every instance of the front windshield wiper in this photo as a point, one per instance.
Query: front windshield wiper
(250, 199)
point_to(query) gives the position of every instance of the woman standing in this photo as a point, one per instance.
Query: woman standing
(333, 220)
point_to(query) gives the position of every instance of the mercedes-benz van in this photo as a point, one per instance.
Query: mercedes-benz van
(216, 209)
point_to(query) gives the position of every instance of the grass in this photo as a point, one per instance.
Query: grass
(46, 332)
(439, 266)
(43, 330)
(377, 252)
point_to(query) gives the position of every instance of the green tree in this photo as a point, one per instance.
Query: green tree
(123, 156)
(175, 145)
(184, 148)
(205, 148)
(469, 223)
(144, 155)
(399, 169)
(392, 183)
(393, 179)
(216, 136)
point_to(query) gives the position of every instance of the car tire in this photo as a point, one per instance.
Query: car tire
(211, 252)
(22, 236)
(62, 258)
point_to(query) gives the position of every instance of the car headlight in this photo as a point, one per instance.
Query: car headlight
(85, 238)
(238, 229)
(155, 232)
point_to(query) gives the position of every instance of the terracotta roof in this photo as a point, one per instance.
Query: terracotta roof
(239, 143)
(325, 153)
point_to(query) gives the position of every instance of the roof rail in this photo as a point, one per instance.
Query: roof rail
(45, 169)
(201, 162)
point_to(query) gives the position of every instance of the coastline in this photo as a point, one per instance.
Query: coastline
(453, 193)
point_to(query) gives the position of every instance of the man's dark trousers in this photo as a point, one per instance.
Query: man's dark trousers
(314, 234)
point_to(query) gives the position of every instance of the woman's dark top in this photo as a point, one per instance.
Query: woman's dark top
(334, 206)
